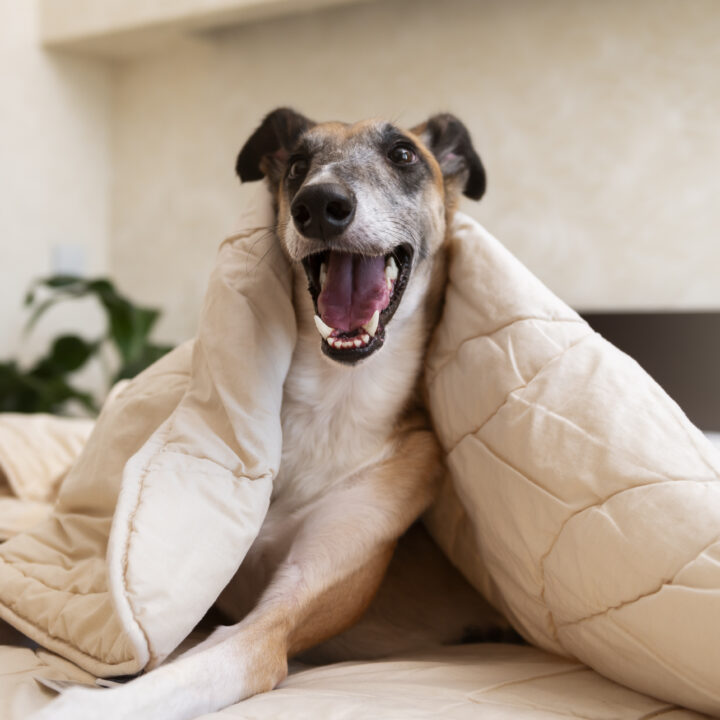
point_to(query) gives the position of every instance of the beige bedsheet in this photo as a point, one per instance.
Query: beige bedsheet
(492, 682)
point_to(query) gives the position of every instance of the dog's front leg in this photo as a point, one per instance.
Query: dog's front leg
(332, 570)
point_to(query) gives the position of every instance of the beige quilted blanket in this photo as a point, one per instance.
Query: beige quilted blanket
(579, 498)
(35, 454)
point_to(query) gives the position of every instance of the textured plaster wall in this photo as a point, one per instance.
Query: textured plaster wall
(54, 172)
(597, 121)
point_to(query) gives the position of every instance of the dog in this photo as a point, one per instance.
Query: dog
(362, 212)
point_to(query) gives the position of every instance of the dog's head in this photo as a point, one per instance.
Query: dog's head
(364, 208)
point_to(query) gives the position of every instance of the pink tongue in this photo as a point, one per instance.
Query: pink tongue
(355, 288)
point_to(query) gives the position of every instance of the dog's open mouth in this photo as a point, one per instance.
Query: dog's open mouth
(355, 296)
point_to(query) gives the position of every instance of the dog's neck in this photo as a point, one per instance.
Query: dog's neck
(338, 418)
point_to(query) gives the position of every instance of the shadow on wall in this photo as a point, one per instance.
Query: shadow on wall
(681, 350)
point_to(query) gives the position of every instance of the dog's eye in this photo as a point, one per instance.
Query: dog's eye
(402, 155)
(298, 168)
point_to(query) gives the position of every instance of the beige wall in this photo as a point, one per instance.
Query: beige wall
(597, 121)
(54, 172)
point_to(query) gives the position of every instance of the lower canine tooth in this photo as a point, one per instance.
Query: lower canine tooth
(323, 329)
(372, 325)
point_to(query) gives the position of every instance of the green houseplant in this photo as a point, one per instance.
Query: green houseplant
(47, 386)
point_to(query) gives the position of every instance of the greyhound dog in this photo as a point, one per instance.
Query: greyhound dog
(362, 212)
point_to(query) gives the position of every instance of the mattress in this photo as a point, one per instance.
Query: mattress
(491, 681)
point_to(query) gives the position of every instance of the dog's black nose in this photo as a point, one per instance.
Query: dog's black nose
(323, 210)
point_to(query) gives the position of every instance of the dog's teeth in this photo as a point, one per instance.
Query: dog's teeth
(348, 343)
(323, 329)
(323, 275)
(391, 269)
(372, 325)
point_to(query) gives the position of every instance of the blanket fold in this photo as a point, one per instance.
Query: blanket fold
(159, 510)
(589, 505)
(36, 452)
(579, 499)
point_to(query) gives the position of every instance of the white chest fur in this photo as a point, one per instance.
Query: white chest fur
(337, 419)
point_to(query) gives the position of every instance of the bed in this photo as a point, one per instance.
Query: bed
(682, 351)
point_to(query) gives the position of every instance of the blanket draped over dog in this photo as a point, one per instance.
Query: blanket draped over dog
(579, 499)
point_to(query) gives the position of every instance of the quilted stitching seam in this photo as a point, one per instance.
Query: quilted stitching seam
(132, 531)
(12, 606)
(708, 691)
(596, 441)
(514, 393)
(431, 378)
(561, 530)
(650, 593)
(665, 479)
(47, 586)
(658, 713)
(530, 678)
(475, 432)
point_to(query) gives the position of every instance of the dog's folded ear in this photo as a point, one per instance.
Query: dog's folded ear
(268, 148)
(449, 141)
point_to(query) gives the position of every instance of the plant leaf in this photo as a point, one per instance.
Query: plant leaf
(150, 353)
(64, 287)
(44, 388)
(28, 392)
(70, 352)
(63, 281)
(129, 328)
